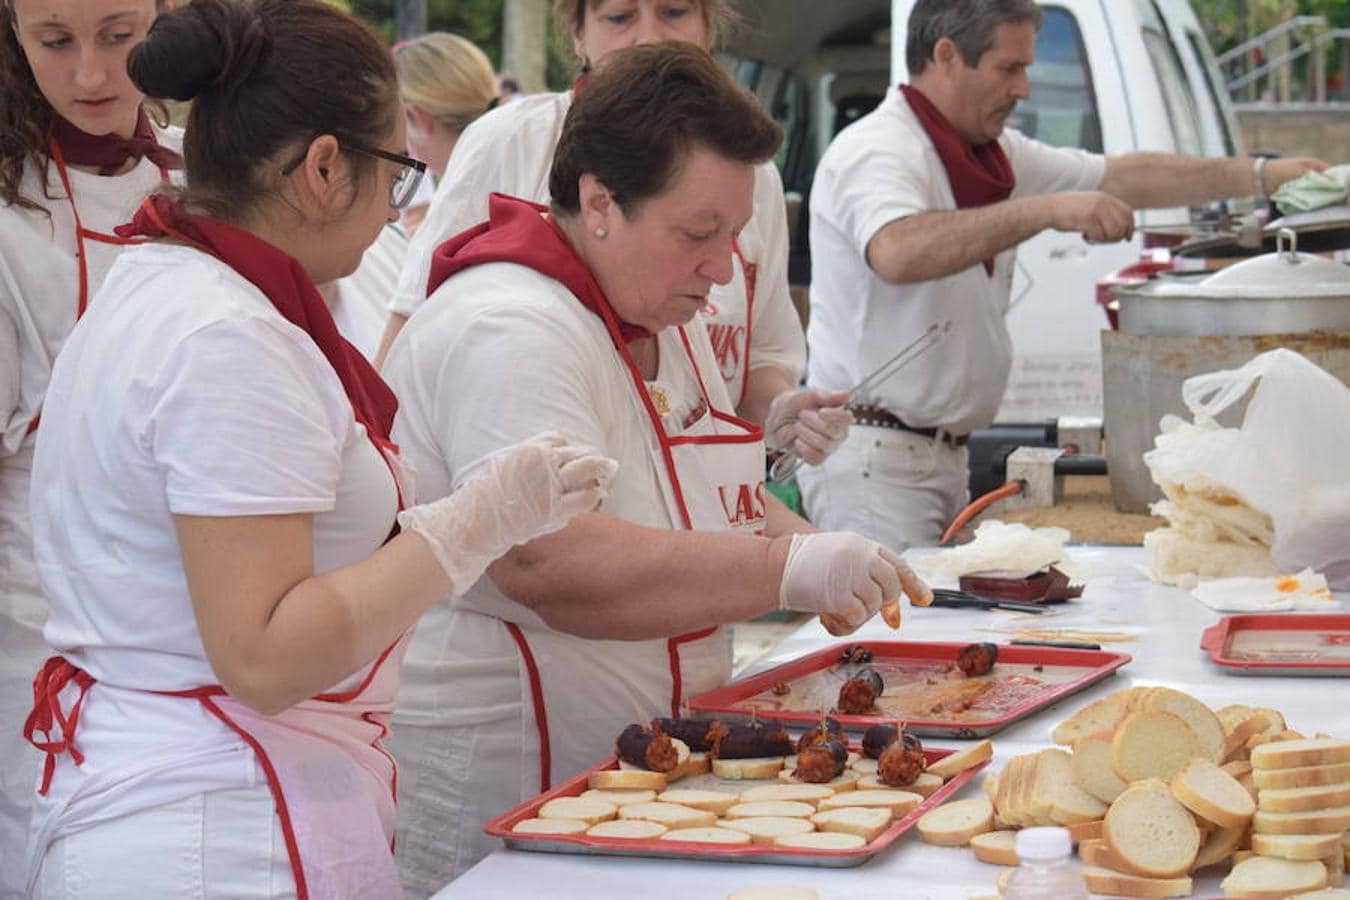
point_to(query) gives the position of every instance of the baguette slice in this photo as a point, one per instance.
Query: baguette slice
(1207, 727)
(619, 798)
(803, 793)
(767, 829)
(1150, 832)
(792, 809)
(998, 848)
(846, 780)
(671, 815)
(1092, 768)
(1069, 804)
(1210, 792)
(713, 801)
(925, 785)
(1120, 884)
(969, 758)
(1264, 876)
(1098, 716)
(1219, 845)
(865, 822)
(583, 810)
(1322, 796)
(954, 824)
(1152, 744)
(707, 835)
(628, 829)
(1096, 853)
(774, 893)
(1086, 831)
(1296, 846)
(1303, 776)
(549, 826)
(1307, 752)
(1321, 821)
(750, 767)
(1329, 893)
(898, 802)
(821, 840)
(627, 780)
(864, 764)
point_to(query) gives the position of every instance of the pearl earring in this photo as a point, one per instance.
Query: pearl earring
(601, 232)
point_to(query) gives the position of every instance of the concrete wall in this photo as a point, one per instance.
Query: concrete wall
(1297, 129)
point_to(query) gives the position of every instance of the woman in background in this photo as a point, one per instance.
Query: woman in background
(215, 495)
(78, 152)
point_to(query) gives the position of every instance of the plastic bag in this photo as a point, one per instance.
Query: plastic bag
(1290, 459)
(999, 545)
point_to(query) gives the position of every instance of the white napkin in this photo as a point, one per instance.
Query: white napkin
(1275, 593)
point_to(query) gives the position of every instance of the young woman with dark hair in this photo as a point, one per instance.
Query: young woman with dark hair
(215, 496)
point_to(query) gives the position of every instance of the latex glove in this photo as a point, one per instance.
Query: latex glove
(513, 496)
(811, 422)
(846, 578)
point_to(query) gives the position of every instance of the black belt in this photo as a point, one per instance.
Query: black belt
(876, 417)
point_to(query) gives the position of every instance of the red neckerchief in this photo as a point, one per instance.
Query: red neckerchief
(517, 232)
(109, 152)
(283, 281)
(979, 175)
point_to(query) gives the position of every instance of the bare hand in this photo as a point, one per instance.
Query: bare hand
(1100, 217)
(811, 422)
(1278, 171)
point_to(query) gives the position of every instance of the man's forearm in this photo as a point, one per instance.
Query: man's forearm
(936, 244)
(1153, 180)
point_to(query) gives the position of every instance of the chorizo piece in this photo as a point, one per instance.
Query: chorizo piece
(828, 730)
(977, 659)
(649, 748)
(754, 740)
(902, 762)
(860, 693)
(821, 762)
(700, 734)
(876, 739)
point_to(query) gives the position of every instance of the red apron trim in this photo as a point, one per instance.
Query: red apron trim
(46, 713)
(750, 271)
(677, 679)
(540, 708)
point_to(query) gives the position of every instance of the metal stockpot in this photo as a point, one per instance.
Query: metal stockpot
(1283, 292)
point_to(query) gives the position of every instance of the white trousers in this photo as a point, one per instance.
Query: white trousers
(225, 844)
(896, 487)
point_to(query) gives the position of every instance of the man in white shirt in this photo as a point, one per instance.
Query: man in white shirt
(916, 213)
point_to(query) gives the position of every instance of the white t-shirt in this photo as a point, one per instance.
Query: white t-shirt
(497, 355)
(882, 168)
(510, 151)
(39, 276)
(360, 302)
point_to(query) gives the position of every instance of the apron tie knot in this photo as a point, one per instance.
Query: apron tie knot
(47, 716)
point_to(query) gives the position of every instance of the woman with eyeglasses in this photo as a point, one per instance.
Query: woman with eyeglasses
(217, 504)
(79, 149)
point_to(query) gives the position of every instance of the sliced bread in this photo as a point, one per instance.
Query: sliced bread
(750, 767)
(774, 893)
(925, 785)
(792, 809)
(1121, 884)
(1150, 831)
(579, 808)
(1296, 846)
(1069, 804)
(1091, 768)
(1219, 845)
(1152, 744)
(619, 798)
(713, 801)
(1085, 831)
(846, 780)
(1207, 727)
(969, 758)
(549, 826)
(802, 793)
(1264, 876)
(821, 840)
(671, 815)
(767, 829)
(997, 848)
(1098, 716)
(1096, 853)
(1319, 821)
(627, 780)
(1302, 776)
(954, 824)
(1321, 796)
(865, 822)
(1306, 752)
(706, 835)
(898, 802)
(1210, 792)
(1330, 893)
(627, 829)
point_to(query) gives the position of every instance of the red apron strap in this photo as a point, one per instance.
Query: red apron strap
(46, 714)
(676, 678)
(540, 709)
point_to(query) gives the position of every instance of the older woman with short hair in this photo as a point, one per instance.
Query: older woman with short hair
(580, 317)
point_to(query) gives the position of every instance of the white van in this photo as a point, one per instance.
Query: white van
(1112, 77)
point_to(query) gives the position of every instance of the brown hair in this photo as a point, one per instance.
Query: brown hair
(970, 24)
(264, 76)
(718, 16)
(25, 117)
(642, 112)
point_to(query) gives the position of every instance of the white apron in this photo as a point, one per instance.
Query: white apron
(23, 611)
(729, 315)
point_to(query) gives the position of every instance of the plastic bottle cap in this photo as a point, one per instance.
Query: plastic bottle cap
(1043, 843)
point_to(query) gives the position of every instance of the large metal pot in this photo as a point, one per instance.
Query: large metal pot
(1276, 293)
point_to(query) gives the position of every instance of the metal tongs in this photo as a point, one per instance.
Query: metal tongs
(787, 464)
(963, 599)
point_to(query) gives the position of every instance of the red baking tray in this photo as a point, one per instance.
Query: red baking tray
(906, 666)
(749, 853)
(1280, 644)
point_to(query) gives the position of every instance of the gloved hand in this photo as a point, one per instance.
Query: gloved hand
(845, 578)
(513, 496)
(811, 422)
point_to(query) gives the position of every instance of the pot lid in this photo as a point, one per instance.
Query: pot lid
(1285, 274)
(1319, 230)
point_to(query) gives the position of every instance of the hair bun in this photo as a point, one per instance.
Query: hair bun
(206, 44)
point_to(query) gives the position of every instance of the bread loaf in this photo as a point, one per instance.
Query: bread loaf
(1150, 832)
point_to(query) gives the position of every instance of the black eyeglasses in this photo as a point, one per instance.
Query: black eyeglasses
(404, 186)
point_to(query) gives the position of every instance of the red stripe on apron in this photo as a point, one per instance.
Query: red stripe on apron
(540, 709)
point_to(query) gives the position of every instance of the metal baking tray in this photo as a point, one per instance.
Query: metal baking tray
(747, 853)
(920, 677)
(1281, 644)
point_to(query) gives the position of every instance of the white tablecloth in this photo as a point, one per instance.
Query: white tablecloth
(1168, 623)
